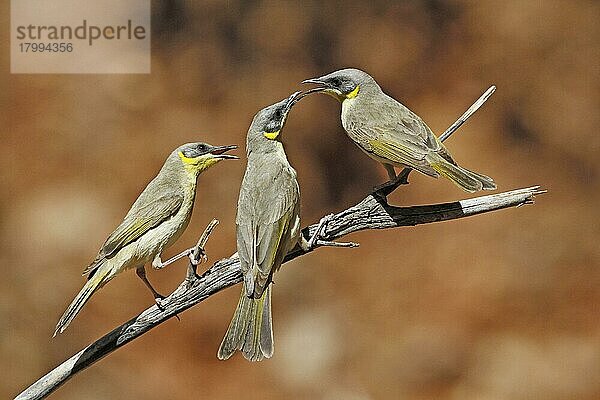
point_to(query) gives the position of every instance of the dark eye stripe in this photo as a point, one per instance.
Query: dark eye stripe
(196, 151)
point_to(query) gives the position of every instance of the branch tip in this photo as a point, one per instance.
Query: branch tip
(199, 249)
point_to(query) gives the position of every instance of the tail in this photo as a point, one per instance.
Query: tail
(95, 282)
(250, 330)
(468, 181)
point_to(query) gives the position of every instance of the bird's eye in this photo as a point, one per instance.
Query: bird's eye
(202, 148)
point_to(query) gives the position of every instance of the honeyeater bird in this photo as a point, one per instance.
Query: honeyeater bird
(155, 221)
(388, 132)
(268, 226)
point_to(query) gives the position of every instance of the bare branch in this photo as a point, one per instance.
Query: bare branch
(470, 111)
(371, 213)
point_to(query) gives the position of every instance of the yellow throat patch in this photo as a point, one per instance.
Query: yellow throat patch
(353, 93)
(271, 135)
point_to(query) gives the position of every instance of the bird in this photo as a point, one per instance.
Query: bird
(390, 133)
(267, 228)
(155, 221)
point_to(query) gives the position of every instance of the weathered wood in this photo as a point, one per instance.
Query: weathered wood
(371, 213)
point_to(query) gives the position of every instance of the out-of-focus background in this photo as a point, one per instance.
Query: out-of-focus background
(499, 306)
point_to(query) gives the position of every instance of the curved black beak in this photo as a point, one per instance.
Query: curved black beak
(316, 81)
(219, 152)
(293, 99)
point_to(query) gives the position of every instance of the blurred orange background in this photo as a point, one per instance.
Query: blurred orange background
(499, 306)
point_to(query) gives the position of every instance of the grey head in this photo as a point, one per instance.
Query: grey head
(344, 84)
(265, 130)
(196, 157)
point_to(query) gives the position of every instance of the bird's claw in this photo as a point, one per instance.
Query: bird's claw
(198, 256)
(316, 241)
(322, 224)
(160, 302)
(193, 259)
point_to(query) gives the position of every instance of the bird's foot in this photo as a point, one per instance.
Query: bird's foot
(161, 303)
(322, 224)
(197, 255)
(316, 240)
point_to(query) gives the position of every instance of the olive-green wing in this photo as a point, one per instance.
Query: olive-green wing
(147, 212)
(267, 209)
(393, 132)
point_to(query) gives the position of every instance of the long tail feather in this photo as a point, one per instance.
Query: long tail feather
(97, 280)
(250, 330)
(467, 180)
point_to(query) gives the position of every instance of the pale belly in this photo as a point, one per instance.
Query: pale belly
(152, 243)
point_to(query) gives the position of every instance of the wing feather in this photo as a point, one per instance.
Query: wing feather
(140, 219)
(267, 207)
(393, 132)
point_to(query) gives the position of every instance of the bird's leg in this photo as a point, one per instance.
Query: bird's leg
(389, 184)
(157, 263)
(158, 298)
(309, 244)
(391, 172)
(141, 272)
(395, 181)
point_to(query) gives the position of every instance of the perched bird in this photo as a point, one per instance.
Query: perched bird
(155, 221)
(268, 226)
(390, 133)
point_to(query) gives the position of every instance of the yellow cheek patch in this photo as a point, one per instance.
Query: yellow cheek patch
(187, 160)
(198, 163)
(271, 135)
(353, 93)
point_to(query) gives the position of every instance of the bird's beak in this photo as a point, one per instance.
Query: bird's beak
(219, 152)
(293, 99)
(322, 88)
(316, 81)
